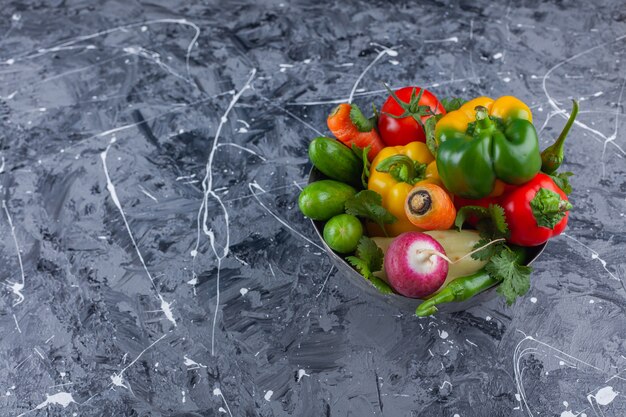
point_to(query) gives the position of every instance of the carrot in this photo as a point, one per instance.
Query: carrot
(350, 126)
(429, 207)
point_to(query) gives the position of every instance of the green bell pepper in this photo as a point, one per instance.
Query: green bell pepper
(485, 140)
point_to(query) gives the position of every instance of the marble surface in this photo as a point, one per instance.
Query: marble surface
(154, 259)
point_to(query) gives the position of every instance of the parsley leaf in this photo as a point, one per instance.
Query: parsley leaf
(561, 179)
(466, 212)
(515, 278)
(486, 253)
(362, 155)
(368, 259)
(491, 220)
(498, 218)
(368, 204)
(453, 103)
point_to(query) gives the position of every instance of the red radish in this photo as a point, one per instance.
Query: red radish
(414, 265)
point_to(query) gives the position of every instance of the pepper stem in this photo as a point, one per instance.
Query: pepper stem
(402, 168)
(482, 117)
(552, 156)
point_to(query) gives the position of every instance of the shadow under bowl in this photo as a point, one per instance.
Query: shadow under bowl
(403, 303)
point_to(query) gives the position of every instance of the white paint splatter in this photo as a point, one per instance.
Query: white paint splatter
(60, 398)
(301, 373)
(243, 291)
(192, 363)
(183, 393)
(268, 395)
(443, 334)
(488, 318)
(497, 55)
(606, 395)
(533, 300)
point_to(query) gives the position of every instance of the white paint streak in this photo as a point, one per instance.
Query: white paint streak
(143, 190)
(16, 287)
(268, 395)
(203, 212)
(218, 392)
(17, 325)
(255, 186)
(519, 353)
(560, 111)
(385, 51)
(243, 148)
(118, 379)
(377, 92)
(471, 343)
(165, 306)
(594, 255)
(325, 281)
(450, 39)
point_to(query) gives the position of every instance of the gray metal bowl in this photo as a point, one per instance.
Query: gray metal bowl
(397, 300)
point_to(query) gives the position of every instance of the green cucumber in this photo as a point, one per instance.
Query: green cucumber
(324, 199)
(336, 160)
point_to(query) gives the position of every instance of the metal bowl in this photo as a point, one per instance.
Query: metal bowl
(397, 300)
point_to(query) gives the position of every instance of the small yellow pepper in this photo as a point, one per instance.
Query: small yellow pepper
(393, 191)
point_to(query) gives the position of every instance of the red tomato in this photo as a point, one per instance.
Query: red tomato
(403, 130)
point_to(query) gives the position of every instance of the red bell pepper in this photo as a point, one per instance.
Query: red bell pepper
(535, 211)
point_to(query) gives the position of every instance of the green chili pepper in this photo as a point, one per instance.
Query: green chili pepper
(552, 156)
(464, 287)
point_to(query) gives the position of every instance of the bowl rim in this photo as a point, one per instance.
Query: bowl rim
(316, 175)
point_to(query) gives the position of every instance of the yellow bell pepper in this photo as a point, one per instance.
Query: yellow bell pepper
(393, 191)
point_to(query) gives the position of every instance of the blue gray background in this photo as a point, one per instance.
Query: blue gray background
(151, 158)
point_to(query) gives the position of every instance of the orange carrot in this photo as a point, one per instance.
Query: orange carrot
(429, 207)
(347, 124)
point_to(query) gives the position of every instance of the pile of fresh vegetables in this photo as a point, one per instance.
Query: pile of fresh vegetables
(438, 200)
